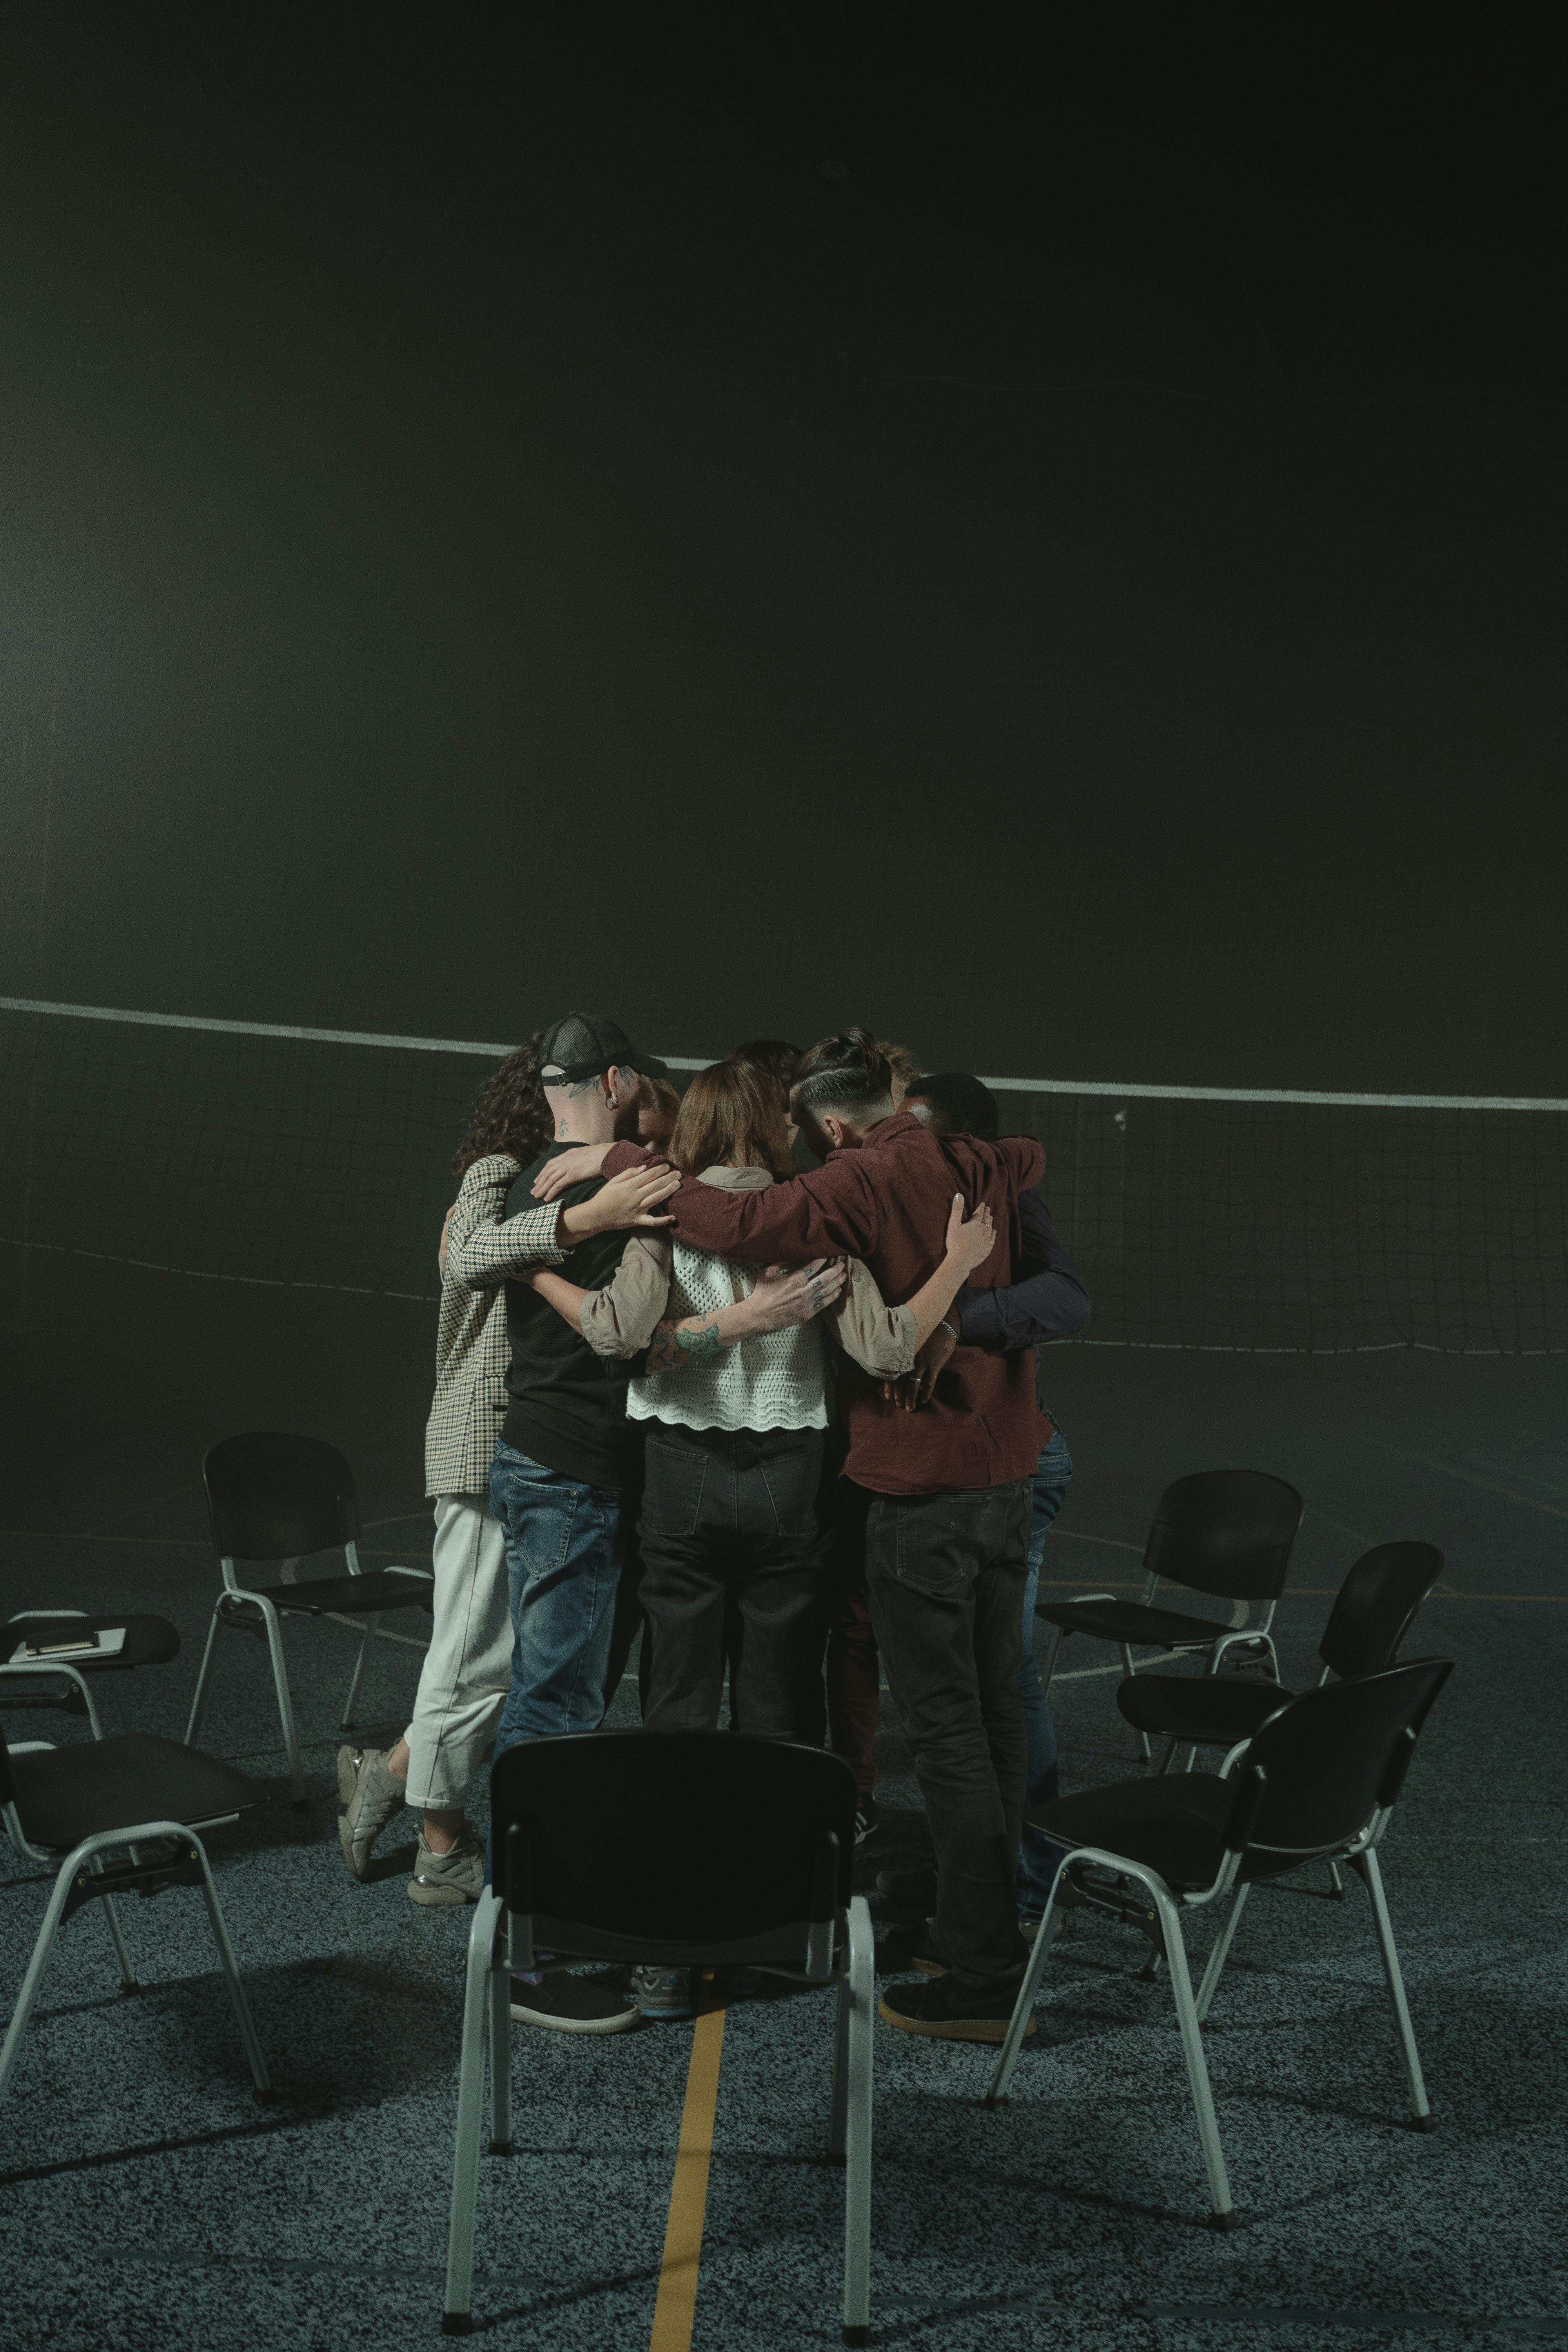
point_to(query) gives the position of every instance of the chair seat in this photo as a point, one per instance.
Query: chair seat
(64, 1794)
(360, 1593)
(1206, 1708)
(149, 1641)
(782, 1947)
(1175, 1826)
(1128, 1621)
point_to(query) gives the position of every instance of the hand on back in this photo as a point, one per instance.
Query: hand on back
(573, 1167)
(628, 1200)
(970, 1240)
(794, 1294)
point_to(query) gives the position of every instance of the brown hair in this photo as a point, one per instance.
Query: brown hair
(900, 1061)
(658, 1095)
(509, 1113)
(730, 1113)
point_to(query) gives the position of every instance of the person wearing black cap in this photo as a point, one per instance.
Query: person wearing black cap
(568, 1467)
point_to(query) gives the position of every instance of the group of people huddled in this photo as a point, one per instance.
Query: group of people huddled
(784, 1425)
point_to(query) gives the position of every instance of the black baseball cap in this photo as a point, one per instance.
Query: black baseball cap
(585, 1046)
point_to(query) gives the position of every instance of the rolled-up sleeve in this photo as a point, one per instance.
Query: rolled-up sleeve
(880, 1338)
(621, 1318)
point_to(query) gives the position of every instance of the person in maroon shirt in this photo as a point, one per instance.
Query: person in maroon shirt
(947, 1521)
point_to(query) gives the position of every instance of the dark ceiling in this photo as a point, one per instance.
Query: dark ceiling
(1044, 537)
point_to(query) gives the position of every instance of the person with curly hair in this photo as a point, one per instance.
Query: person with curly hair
(468, 1668)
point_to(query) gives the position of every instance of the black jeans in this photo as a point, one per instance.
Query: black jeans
(730, 1523)
(944, 1577)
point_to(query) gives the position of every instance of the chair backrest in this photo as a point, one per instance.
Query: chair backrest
(698, 1839)
(1375, 1606)
(272, 1496)
(1320, 1766)
(1227, 1532)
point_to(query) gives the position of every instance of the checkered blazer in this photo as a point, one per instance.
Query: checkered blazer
(471, 1347)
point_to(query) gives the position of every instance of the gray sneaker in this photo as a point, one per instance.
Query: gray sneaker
(663, 1994)
(455, 1877)
(372, 1796)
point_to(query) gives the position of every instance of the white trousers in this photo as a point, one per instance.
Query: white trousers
(468, 1667)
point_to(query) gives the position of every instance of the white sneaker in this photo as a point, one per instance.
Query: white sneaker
(372, 1796)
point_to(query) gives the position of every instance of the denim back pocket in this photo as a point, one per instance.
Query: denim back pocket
(538, 1508)
(673, 1498)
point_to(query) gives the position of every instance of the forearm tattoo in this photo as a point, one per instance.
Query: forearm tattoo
(676, 1344)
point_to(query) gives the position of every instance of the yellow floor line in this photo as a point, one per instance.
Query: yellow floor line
(676, 2309)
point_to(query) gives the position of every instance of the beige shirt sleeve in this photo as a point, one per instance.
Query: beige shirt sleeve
(620, 1320)
(880, 1337)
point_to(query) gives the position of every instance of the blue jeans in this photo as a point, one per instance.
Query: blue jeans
(563, 1553)
(1037, 1857)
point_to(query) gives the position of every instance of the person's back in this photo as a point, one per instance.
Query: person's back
(566, 1406)
(886, 1199)
(947, 1517)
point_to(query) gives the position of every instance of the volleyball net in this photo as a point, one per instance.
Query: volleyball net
(1215, 1219)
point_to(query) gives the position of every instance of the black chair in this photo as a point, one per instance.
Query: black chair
(1318, 1783)
(147, 1642)
(273, 1497)
(681, 1849)
(1374, 1609)
(1224, 1533)
(67, 1807)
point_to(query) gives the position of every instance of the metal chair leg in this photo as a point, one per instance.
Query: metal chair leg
(1131, 1669)
(243, 2018)
(1218, 1957)
(1044, 1936)
(1051, 1660)
(838, 2111)
(371, 1623)
(1337, 1885)
(1171, 1748)
(471, 2116)
(285, 1703)
(198, 1704)
(116, 1933)
(1420, 2111)
(35, 1973)
(501, 2041)
(858, 2124)
(1198, 2065)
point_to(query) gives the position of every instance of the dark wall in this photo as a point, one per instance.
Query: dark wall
(753, 520)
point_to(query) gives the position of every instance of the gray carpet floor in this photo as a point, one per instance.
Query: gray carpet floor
(149, 2202)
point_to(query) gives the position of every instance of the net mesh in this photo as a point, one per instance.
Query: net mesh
(1206, 1223)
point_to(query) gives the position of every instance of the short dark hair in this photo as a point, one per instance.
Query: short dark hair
(843, 1072)
(775, 1057)
(963, 1105)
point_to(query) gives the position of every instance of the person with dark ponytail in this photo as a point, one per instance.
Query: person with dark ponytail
(466, 1672)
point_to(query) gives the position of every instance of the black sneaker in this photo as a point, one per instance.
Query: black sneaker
(940, 2011)
(571, 2004)
(909, 1890)
(865, 1818)
(915, 1948)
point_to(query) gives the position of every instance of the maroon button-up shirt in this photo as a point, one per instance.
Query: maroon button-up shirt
(887, 1203)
